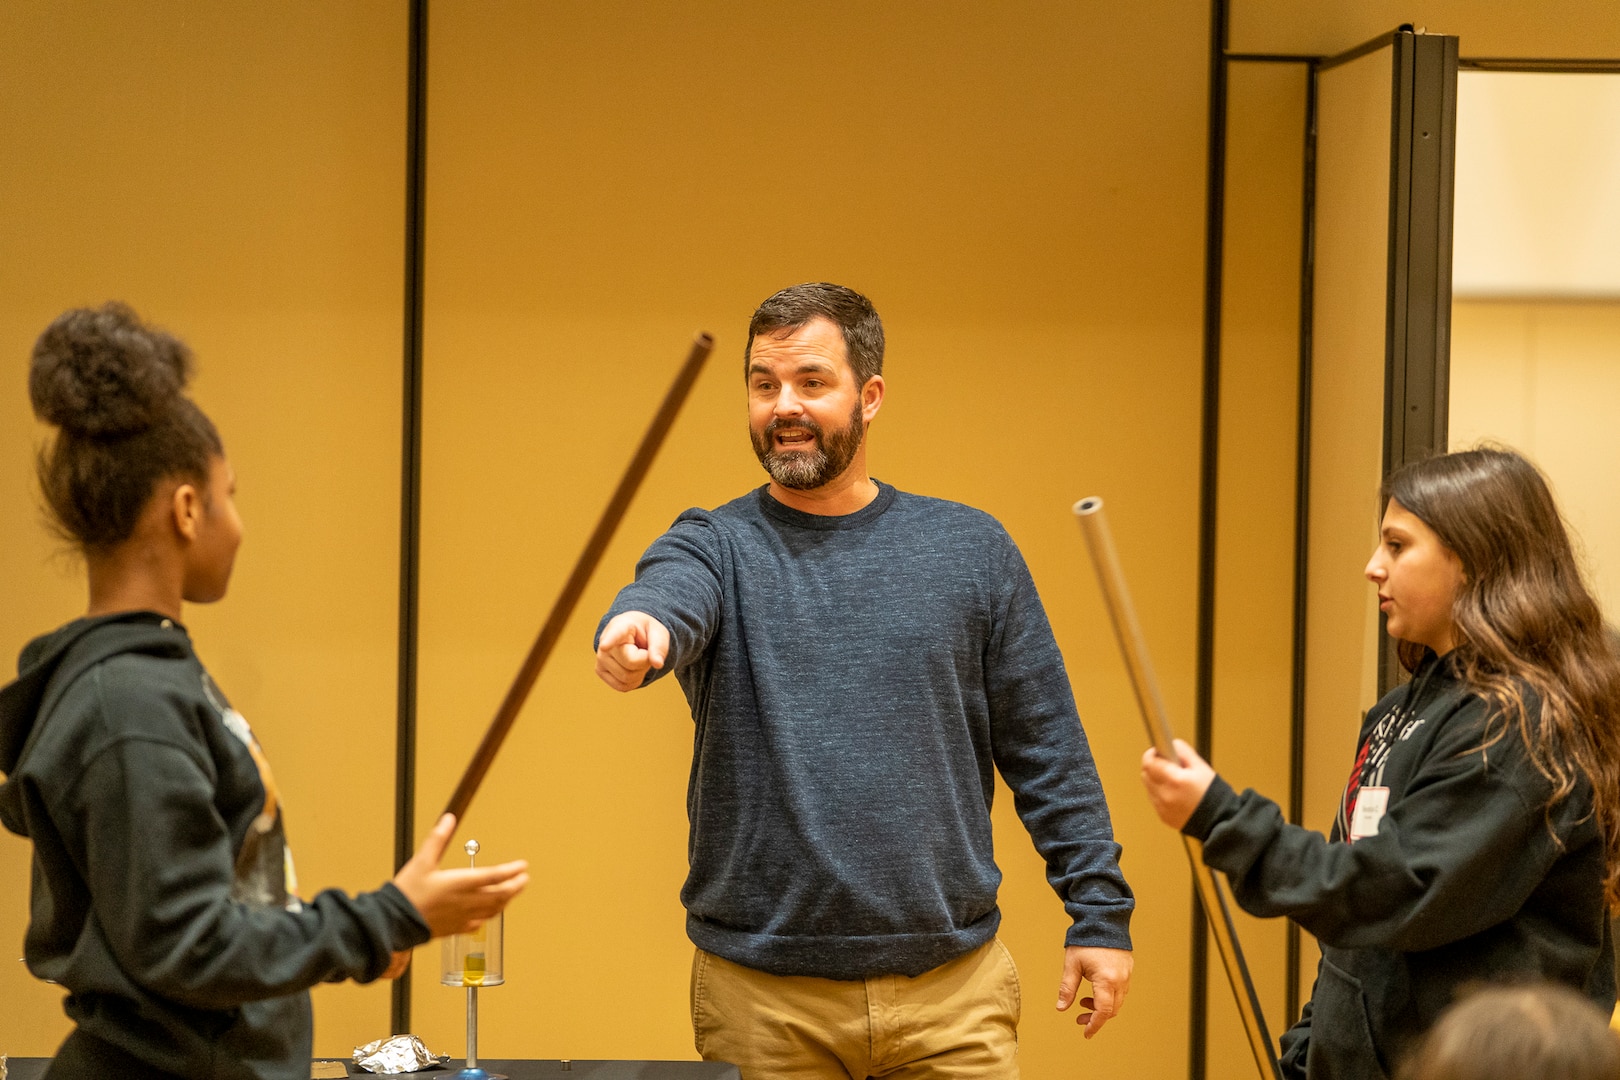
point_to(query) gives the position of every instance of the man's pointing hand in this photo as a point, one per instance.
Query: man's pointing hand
(631, 643)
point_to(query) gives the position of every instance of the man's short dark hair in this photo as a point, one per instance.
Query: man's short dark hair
(853, 314)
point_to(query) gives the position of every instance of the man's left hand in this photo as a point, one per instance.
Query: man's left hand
(1109, 971)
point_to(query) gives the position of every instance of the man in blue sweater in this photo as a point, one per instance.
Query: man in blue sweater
(859, 661)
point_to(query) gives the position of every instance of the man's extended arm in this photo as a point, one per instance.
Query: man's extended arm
(667, 615)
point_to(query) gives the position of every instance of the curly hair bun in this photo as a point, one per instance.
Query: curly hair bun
(103, 373)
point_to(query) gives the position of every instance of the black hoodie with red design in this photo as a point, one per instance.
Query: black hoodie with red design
(1458, 874)
(163, 896)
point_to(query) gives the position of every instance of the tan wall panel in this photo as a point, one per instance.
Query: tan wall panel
(1514, 28)
(1537, 168)
(1347, 396)
(1255, 542)
(1543, 377)
(1020, 197)
(235, 173)
(1492, 377)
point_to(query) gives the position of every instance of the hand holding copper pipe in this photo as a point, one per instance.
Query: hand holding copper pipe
(1176, 787)
(1168, 759)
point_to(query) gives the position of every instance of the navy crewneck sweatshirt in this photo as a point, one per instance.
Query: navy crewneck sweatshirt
(855, 681)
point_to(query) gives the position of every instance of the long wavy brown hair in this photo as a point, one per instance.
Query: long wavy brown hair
(1530, 637)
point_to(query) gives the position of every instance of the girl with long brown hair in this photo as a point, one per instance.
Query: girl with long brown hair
(1478, 838)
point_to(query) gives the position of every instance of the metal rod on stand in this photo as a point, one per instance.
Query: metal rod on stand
(476, 959)
(1131, 642)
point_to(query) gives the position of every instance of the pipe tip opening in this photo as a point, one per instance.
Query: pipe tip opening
(1089, 505)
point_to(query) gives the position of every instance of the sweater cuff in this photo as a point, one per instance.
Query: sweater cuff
(1094, 936)
(410, 929)
(1102, 923)
(1218, 803)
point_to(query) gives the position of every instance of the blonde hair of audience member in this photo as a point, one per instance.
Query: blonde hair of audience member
(1540, 1031)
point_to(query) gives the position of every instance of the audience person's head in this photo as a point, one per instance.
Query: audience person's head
(1532, 1032)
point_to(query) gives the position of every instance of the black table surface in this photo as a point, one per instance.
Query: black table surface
(528, 1069)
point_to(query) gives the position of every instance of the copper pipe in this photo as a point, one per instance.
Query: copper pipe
(1106, 561)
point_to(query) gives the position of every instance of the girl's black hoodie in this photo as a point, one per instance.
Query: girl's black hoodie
(1466, 878)
(163, 897)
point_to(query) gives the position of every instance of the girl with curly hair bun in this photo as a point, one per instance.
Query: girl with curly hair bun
(1478, 837)
(164, 899)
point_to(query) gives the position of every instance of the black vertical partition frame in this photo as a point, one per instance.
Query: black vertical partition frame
(1208, 484)
(410, 510)
(1418, 324)
(1302, 524)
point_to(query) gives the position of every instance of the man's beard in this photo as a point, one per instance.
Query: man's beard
(823, 460)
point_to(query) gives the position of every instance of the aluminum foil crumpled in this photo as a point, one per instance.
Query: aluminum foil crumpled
(400, 1054)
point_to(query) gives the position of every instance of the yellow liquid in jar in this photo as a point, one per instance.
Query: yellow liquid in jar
(472, 973)
(473, 968)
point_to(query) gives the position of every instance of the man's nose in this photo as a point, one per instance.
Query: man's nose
(787, 403)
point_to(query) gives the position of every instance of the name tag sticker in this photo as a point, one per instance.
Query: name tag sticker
(1371, 802)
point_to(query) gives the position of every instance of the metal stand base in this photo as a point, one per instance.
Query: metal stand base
(472, 1071)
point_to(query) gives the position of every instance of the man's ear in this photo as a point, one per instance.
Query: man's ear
(871, 398)
(186, 509)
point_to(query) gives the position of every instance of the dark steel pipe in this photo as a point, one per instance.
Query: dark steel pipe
(634, 473)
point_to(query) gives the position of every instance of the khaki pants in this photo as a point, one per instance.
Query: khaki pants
(958, 1021)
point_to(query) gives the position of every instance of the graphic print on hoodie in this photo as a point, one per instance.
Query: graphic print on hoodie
(264, 866)
(1368, 771)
